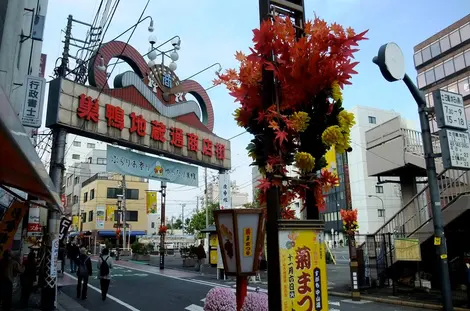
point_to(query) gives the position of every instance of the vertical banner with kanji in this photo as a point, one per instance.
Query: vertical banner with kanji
(225, 198)
(34, 220)
(303, 270)
(31, 111)
(151, 202)
(110, 210)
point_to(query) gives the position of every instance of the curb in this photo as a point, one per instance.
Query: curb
(396, 302)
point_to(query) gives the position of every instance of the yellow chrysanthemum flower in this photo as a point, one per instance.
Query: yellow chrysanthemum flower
(346, 120)
(336, 91)
(300, 121)
(304, 161)
(332, 135)
(236, 115)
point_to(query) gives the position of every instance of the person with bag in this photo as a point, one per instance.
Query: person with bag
(105, 264)
(84, 271)
(201, 255)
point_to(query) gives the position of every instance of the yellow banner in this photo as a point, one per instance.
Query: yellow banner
(151, 202)
(247, 242)
(303, 271)
(75, 222)
(110, 209)
(9, 224)
(330, 157)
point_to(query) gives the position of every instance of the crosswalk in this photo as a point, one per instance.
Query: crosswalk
(333, 306)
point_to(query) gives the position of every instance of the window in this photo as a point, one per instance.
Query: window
(454, 38)
(418, 59)
(90, 145)
(464, 87)
(372, 120)
(132, 194)
(76, 143)
(132, 215)
(69, 199)
(83, 217)
(453, 88)
(379, 189)
(421, 80)
(465, 32)
(90, 216)
(426, 54)
(69, 180)
(449, 67)
(439, 72)
(435, 49)
(85, 197)
(430, 78)
(76, 180)
(92, 194)
(90, 159)
(76, 156)
(381, 213)
(445, 43)
(152, 225)
(112, 193)
(459, 62)
(101, 161)
(467, 57)
(75, 199)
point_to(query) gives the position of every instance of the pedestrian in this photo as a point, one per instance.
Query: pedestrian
(105, 264)
(73, 255)
(9, 268)
(61, 257)
(28, 278)
(201, 255)
(84, 271)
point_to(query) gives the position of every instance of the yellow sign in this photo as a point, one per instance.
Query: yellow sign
(213, 240)
(303, 270)
(407, 250)
(110, 209)
(247, 242)
(437, 240)
(9, 224)
(151, 202)
(75, 222)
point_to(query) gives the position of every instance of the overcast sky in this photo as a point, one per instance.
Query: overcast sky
(213, 30)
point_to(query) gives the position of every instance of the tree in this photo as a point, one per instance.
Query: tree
(177, 224)
(198, 221)
(251, 205)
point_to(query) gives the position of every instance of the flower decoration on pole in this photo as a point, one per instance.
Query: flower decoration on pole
(308, 117)
(162, 230)
(349, 218)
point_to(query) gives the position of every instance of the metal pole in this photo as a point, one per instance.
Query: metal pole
(118, 222)
(162, 221)
(441, 249)
(182, 217)
(206, 205)
(56, 172)
(124, 211)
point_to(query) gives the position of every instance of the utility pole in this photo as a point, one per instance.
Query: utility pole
(182, 217)
(163, 220)
(56, 172)
(206, 204)
(118, 221)
(124, 211)
(197, 204)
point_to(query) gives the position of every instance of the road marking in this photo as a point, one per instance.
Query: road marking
(122, 303)
(360, 302)
(334, 303)
(194, 308)
(203, 300)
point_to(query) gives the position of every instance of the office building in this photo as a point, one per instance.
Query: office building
(443, 62)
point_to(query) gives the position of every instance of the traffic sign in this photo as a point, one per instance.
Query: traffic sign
(455, 148)
(450, 111)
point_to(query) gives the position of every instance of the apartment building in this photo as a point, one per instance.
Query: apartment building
(442, 61)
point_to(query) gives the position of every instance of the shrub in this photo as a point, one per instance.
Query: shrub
(255, 302)
(139, 248)
(220, 299)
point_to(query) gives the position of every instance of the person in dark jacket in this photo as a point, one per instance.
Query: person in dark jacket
(72, 254)
(28, 278)
(84, 271)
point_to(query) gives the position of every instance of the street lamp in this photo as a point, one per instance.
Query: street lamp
(391, 62)
(383, 208)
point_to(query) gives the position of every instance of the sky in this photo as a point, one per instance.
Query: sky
(212, 31)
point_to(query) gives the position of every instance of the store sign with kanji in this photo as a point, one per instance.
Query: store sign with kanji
(303, 270)
(31, 112)
(78, 108)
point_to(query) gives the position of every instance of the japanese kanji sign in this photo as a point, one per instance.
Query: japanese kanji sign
(64, 227)
(225, 197)
(88, 112)
(130, 163)
(247, 242)
(34, 224)
(303, 270)
(31, 112)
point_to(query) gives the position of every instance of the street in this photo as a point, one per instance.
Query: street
(141, 287)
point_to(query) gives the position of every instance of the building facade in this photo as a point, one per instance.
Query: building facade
(79, 148)
(98, 204)
(443, 62)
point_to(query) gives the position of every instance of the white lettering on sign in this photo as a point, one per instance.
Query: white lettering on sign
(450, 111)
(31, 112)
(451, 98)
(455, 149)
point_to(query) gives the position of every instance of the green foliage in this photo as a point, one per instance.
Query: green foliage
(141, 248)
(198, 221)
(108, 244)
(177, 224)
(189, 252)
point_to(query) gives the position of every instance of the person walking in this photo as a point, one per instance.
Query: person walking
(28, 278)
(84, 271)
(72, 254)
(9, 268)
(201, 255)
(105, 264)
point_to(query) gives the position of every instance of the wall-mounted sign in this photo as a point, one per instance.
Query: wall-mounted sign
(152, 202)
(225, 198)
(450, 111)
(34, 221)
(407, 250)
(110, 210)
(77, 108)
(130, 163)
(31, 112)
(100, 217)
(455, 148)
(64, 227)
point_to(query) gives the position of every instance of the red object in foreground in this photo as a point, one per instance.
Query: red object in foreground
(242, 288)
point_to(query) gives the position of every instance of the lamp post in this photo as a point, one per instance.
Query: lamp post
(383, 207)
(391, 62)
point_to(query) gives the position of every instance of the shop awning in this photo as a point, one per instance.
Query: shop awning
(209, 229)
(113, 233)
(20, 166)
